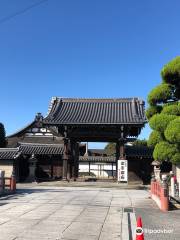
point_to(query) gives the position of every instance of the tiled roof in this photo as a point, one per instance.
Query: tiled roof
(41, 149)
(97, 159)
(14, 141)
(139, 151)
(96, 151)
(8, 153)
(96, 111)
(22, 130)
(130, 152)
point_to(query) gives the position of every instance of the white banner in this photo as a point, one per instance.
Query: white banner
(122, 170)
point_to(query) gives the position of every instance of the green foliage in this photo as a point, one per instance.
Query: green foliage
(154, 138)
(172, 132)
(171, 72)
(160, 94)
(177, 92)
(140, 142)
(165, 151)
(2, 136)
(166, 122)
(160, 121)
(152, 110)
(110, 149)
(171, 109)
(176, 158)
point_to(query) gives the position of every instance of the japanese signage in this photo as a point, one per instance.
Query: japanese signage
(122, 170)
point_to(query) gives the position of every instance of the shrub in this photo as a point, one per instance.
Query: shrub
(164, 151)
(154, 138)
(152, 110)
(171, 72)
(160, 121)
(176, 158)
(160, 94)
(2, 136)
(171, 109)
(140, 142)
(172, 132)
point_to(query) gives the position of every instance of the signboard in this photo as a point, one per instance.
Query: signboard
(122, 170)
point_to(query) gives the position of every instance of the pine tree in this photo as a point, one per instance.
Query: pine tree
(164, 114)
(2, 136)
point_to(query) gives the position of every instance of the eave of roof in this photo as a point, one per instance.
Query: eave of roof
(41, 149)
(109, 159)
(8, 153)
(114, 111)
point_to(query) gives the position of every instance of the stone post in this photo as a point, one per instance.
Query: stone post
(32, 168)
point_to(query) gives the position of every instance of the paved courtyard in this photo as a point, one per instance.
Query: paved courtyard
(81, 213)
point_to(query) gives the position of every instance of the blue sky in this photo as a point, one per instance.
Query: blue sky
(77, 48)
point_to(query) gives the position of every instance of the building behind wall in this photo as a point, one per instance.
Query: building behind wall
(51, 140)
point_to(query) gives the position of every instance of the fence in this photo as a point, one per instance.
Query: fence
(160, 194)
(7, 184)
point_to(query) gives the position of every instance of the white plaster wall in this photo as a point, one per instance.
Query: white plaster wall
(99, 169)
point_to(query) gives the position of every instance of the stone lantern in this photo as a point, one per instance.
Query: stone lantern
(157, 170)
(32, 168)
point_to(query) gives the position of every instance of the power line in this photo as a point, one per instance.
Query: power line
(13, 15)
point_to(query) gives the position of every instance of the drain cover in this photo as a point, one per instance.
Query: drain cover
(128, 210)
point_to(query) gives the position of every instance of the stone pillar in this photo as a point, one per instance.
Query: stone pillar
(32, 168)
(157, 172)
(86, 153)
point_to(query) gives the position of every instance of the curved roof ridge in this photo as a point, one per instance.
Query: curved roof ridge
(21, 129)
(40, 144)
(92, 99)
(9, 149)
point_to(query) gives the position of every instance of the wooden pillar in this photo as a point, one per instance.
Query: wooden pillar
(121, 143)
(51, 161)
(89, 168)
(76, 165)
(117, 157)
(75, 159)
(65, 160)
(120, 152)
(64, 169)
(73, 155)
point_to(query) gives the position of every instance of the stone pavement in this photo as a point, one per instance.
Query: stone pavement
(74, 213)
